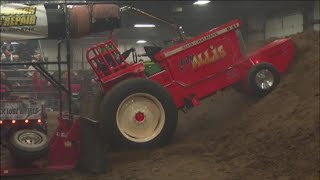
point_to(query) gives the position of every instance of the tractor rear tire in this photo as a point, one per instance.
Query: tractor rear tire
(262, 79)
(138, 113)
(28, 144)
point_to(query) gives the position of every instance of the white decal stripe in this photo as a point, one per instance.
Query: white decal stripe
(201, 40)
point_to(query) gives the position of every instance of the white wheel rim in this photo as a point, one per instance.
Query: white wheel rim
(30, 139)
(140, 117)
(264, 79)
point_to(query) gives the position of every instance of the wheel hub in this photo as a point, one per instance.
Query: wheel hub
(139, 117)
(264, 79)
(30, 138)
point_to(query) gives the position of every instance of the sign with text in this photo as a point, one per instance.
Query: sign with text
(22, 22)
(20, 110)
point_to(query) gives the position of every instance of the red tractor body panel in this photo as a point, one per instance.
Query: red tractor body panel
(201, 65)
(279, 53)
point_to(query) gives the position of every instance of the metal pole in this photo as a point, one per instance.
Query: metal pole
(59, 74)
(82, 60)
(41, 51)
(67, 19)
(172, 25)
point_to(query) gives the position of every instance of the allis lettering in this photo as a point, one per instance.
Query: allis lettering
(209, 56)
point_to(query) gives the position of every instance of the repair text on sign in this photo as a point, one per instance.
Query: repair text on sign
(22, 22)
(25, 16)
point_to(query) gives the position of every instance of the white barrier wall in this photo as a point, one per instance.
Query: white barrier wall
(284, 25)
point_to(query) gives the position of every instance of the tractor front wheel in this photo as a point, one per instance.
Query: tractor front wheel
(139, 113)
(263, 78)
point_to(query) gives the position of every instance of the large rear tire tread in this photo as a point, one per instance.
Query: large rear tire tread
(112, 100)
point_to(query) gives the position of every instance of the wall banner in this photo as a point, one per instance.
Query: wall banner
(22, 22)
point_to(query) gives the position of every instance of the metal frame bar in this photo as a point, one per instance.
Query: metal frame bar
(59, 77)
(174, 26)
(50, 78)
(67, 22)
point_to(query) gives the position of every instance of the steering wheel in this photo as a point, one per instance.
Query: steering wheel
(126, 54)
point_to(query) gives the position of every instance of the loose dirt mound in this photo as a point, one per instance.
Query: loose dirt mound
(232, 136)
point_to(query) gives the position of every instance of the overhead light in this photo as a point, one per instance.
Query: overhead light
(201, 2)
(11, 43)
(141, 41)
(144, 25)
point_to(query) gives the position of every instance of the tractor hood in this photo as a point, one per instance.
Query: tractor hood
(285, 45)
(280, 53)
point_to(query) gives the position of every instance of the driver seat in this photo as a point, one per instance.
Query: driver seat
(108, 58)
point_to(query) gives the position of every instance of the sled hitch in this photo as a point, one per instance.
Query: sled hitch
(190, 102)
(75, 143)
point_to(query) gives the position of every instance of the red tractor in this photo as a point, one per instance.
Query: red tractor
(143, 111)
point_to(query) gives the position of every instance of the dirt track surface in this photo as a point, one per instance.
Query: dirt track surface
(232, 136)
